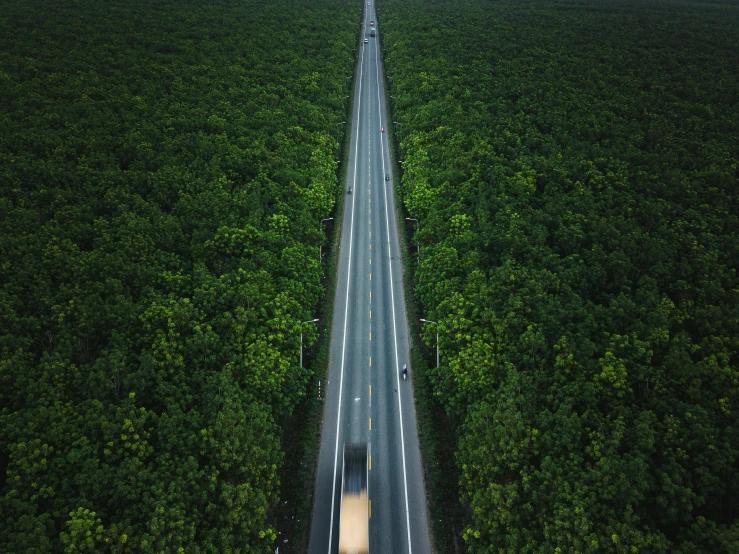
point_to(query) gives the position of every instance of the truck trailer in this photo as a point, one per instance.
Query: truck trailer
(354, 523)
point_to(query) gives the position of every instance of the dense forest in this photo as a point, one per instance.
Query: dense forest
(574, 168)
(164, 166)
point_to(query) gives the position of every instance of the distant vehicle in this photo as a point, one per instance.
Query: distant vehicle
(354, 522)
(349, 191)
(382, 129)
(372, 24)
(387, 176)
(366, 41)
(372, 33)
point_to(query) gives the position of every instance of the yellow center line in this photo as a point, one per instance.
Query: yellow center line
(370, 508)
(370, 361)
(370, 424)
(370, 388)
(370, 335)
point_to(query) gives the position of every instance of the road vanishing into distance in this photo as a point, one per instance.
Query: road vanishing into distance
(367, 400)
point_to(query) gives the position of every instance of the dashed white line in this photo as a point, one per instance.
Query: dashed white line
(346, 312)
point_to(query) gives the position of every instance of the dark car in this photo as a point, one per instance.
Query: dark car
(349, 191)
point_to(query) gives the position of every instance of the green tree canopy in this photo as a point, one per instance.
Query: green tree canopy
(573, 167)
(163, 170)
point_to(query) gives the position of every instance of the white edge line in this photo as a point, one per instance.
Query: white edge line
(346, 305)
(392, 301)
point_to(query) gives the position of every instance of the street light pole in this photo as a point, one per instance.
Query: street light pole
(320, 240)
(301, 339)
(418, 246)
(437, 339)
(340, 123)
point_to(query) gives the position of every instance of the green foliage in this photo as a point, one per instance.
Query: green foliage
(84, 532)
(573, 167)
(163, 169)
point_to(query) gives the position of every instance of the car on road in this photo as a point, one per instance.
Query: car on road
(387, 176)
(366, 41)
(349, 191)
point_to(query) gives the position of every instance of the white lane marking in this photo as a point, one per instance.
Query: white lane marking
(346, 309)
(392, 301)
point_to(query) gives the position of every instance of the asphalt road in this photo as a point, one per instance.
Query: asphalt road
(366, 397)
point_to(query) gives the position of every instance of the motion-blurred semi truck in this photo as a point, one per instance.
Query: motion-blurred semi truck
(354, 526)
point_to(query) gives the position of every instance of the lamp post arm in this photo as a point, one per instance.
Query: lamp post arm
(301, 339)
(437, 339)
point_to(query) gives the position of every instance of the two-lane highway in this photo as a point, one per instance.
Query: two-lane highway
(367, 400)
